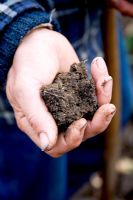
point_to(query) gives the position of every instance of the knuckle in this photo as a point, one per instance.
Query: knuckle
(14, 92)
(75, 137)
(74, 128)
(96, 129)
(33, 121)
(75, 141)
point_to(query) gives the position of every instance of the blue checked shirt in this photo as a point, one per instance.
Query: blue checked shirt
(17, 17)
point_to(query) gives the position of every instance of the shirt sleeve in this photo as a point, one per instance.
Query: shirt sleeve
(17, 18)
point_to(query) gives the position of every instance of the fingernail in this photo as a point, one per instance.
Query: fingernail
(44, 141)
(101, 65)
(112, 112)
(106, 85)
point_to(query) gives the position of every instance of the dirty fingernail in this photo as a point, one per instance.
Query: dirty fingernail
(112, 112)
(101, 65)
(44, 141)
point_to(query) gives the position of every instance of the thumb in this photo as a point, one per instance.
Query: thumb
(38, 116)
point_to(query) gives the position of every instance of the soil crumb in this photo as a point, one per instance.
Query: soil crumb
(71, 96)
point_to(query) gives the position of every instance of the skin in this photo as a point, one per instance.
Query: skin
(123, 6)
(41, 55)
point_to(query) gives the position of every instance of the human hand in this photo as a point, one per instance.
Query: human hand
(124, 6)
(42, 54)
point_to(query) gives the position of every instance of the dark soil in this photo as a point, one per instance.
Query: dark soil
(71, 96)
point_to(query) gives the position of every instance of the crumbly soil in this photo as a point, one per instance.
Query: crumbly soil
(71, 96)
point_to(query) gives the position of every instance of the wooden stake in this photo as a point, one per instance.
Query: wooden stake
(112, 133)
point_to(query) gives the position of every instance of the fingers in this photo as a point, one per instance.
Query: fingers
(70, 140)
(102, 79)
(100, 121)
(125, 7)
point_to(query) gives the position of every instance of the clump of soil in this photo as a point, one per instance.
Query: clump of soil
(71, 96)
